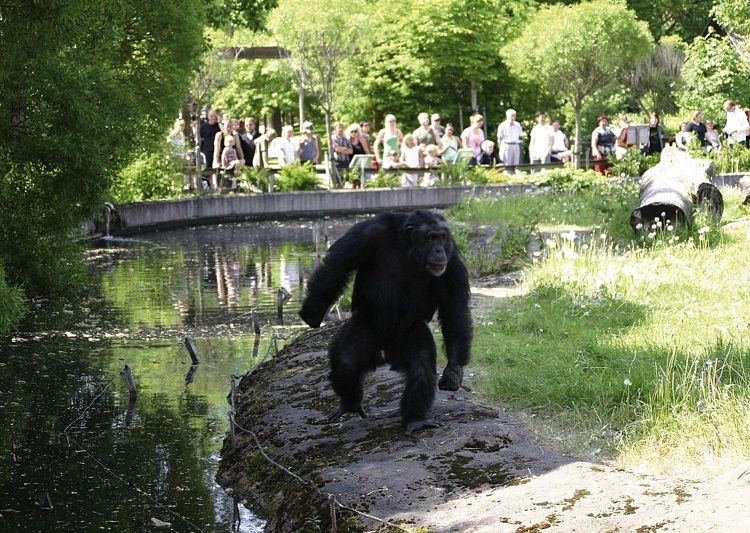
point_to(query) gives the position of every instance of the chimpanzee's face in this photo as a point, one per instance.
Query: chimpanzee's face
(431, 244)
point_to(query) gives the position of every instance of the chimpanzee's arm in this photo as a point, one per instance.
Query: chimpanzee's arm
(455, 321)
(348, 253)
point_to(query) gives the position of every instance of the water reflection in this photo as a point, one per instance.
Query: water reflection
(76, 454)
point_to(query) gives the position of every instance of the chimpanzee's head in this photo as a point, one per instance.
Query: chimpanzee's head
(429, 241)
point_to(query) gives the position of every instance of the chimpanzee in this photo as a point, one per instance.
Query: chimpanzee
(407, 267)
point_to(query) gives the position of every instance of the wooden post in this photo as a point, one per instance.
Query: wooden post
(191, 374)
(192, 351)
(130, 381)
(256, 324)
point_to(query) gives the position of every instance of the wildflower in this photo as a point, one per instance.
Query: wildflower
(627, 382)
(651, 235)
(603, 236)
(550, 243)
(704, 229)
(670, 228)
(639, 226)
(569, 236)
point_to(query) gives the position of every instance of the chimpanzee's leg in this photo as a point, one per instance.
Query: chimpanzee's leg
(353, 353)
(415, 355)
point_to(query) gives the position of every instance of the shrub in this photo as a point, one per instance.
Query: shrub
(296, 177)
(634, 163)
(11, 305)
(568, 179)
(384, 180)
(151, 176)
(256, 179)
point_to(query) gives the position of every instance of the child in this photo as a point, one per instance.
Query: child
(411, 156)
(229, 160)
(487, 157)
(431, 160)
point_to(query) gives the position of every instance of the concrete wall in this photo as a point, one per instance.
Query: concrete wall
(209, 209)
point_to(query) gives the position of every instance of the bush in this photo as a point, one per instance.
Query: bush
(384, 180)
(11, 305)
(296, 177)
(634, 163)
(568, 179)
(256, 178)
(152, 176)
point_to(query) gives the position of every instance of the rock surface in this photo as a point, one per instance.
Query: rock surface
(481, 472)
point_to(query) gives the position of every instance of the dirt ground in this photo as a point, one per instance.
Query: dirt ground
(482, 471)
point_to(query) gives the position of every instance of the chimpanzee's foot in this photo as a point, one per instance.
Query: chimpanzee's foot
(416, 425)
(342, 409)
(451, 379)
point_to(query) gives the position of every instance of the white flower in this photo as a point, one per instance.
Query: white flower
(704, 229)
(670, 228)
(651, 235)
(639, 226)
(550, 243)
(627, 382)
(569, 236)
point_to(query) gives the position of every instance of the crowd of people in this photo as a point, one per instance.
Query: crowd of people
(229, 145)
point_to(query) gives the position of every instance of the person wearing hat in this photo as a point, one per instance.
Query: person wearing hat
(436, 124)
(309, 145)
(603, 141)
(425, 134)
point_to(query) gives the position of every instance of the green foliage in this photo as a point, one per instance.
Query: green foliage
(256, 178)
(296, 177)
(576, 70)
(248, 13)
(733, 14)
(384, 180)
(151, 176)
(105, 80)
(11, 305)
(684, 18)
(730, 161)
(634, 163)
(568, 179)
(713, 72)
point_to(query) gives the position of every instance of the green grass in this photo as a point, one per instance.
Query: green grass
(643, 341)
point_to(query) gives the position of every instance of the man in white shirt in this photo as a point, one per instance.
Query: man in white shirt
(737, 124)
(509, 139)
(540, 141)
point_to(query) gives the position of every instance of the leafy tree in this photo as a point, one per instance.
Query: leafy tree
(734, 14)
(684, 18)
(433, 56)
(713, 72)
(320, 36)
(654, 80)
(595, 42)
(239, 13)
(84, 83)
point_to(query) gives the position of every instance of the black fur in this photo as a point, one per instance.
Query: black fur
(407, 267)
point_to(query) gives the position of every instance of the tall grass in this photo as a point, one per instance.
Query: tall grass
(643, 339)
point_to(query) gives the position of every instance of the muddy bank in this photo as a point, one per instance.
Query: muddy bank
(368, 465)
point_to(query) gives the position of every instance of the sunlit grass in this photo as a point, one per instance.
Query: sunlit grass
(645, 342)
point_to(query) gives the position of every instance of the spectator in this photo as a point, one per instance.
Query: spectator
(392, 160)
(713, 139)
(309, 145)
(355, 139)
(541, 140)
(425, 134)
(737, 125)
(697, 127)
(560, 145)
(430, 160)
(208, 131)
(262, 145)
(248, 134)
(440, 130)
(684, 137)
(621, 145)
(288, 146)
(509, 140)
(230, 129)
(364, 136)
(230, 161)
(390, 137)
(655, 135)
(602, 143)
(487, 156)
(449, 145)
(473, 136)
(342, 151)
(411, 156)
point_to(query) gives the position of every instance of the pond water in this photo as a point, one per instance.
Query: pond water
(76, 454)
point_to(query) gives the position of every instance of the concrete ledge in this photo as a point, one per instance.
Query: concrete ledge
(143, 217)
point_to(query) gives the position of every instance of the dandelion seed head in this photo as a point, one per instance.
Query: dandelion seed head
(639, 226)
(627, 382)
(704, 229)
